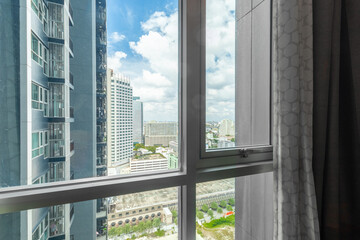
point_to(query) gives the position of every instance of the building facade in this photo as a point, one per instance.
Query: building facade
(120, 121)
(160, 133)
(101, 113)
(138, 121)
(36, 84)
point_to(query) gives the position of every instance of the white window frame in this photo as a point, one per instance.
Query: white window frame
(42, 54)
(43, 104)
(193, 167)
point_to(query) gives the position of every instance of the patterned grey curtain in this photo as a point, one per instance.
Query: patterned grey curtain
(295, 213)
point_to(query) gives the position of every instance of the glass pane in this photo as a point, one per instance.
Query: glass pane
(237, 208)
(143, 215)
(110, 105)
(237, 73)
(215, 210)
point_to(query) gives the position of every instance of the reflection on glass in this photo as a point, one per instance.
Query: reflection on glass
(215, 210)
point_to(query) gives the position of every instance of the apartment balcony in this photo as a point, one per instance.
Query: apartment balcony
(101, 172)
(56, 148)
(101, 93)
(101, 162)
(102, 40)
(57, 228)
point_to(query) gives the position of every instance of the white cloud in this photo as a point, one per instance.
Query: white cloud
(155, 79)
(116, 37)
(114, 60)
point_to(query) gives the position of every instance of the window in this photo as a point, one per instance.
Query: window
(39, 53)
(185, 63)
(39, 143)
(41, 10)
(39, 98)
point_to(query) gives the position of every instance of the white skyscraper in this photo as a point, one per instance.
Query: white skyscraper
(226, 128)
(138, 120)
(119, 121)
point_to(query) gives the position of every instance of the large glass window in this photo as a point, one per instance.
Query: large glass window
(237, 76)
(39, 143)
(39, 98)
(138, 117)
(39, 53)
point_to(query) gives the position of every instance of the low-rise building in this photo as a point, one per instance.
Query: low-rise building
(148, 162)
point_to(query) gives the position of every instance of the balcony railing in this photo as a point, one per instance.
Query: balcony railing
(57, 148)
(57, 227)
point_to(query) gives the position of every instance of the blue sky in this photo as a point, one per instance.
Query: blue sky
(143, 46)
(125, 17)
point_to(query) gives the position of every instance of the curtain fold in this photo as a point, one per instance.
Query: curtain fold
(336, 137)
(295, 212)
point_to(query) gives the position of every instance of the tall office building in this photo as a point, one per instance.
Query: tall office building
(160, 133)
(36, 114)
(138, 121)
(120, 123)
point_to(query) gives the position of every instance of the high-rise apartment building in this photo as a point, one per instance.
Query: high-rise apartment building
(138, 121)
(36, 114)
(101, 113)
(120, 121)
(160, 133)
(226, 128)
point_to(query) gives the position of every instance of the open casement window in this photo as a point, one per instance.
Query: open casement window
(224, 133)
(236, 82)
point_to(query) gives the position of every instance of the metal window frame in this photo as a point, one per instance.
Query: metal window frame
(194, 166)
(239, 154)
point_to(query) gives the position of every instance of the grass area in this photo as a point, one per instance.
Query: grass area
(228, 221)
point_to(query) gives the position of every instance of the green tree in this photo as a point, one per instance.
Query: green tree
(127, 228)
(148, 224)
(210, 213)
(139, 145)
(157, 222)
(205, 208)
(200, 215)
(112, 232)
(223, 204)
(233, 139)
(231, 201)
(219, 210)
(151, 148)
(229, 208)
(174, 213)
(141, 226)
(214, 206)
